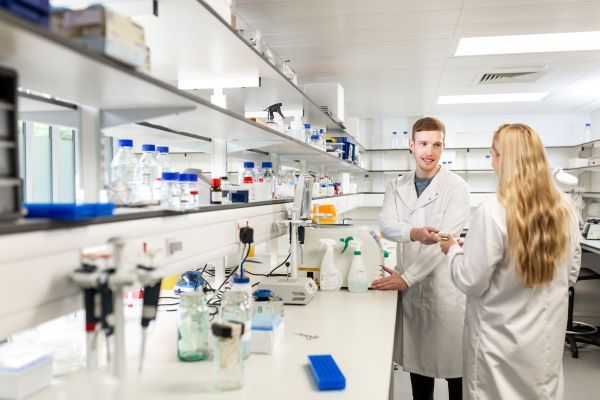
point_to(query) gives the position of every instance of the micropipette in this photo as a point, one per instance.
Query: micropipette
(149, 310)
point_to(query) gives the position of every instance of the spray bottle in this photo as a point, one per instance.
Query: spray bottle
(358, 280)
(331, 278)
(271, 110)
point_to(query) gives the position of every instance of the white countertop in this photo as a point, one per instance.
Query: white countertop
(357, 329)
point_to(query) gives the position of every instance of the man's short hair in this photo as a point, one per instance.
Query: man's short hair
(428, 124)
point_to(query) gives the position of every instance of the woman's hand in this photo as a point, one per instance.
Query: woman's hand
(446, 244)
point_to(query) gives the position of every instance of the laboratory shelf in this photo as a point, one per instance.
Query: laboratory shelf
(591, 168)
(131, 214)
(226, 55)
(126, 93)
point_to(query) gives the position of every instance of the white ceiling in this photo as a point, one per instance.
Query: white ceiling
(395, 57)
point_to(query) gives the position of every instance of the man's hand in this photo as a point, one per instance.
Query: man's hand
(446, 244)
(423, 235)
(392, 282)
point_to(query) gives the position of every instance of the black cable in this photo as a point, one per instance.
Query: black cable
(280, 265)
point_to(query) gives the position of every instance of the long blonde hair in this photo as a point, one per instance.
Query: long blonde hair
(537, 218)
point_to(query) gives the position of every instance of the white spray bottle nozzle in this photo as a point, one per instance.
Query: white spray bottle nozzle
(327, 243)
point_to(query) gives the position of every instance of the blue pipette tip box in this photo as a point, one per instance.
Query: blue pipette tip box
(326, 372)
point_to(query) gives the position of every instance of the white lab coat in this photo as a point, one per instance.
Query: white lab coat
(429, 322)
(514, 335)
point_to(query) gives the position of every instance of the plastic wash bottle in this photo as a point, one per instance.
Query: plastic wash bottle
(330, 276)
(358, 280)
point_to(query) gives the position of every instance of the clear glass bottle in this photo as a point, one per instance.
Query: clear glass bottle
(248, 172)
(192, 327)
(228, 364)
(124, 163)
(235, 307)
(194, 189)
(185, 195)
(322, 142)
(170, 191)
(226, 188)
(163, 158)
(147, 173)
(269, 176)
(587, 133)
(395, 140)
(307, 133)
(315, 141)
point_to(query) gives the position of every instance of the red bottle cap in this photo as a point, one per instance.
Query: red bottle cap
(248, 179)
(214, 182)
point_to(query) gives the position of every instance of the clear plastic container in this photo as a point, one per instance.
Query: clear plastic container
(248, 172)
(163, 158)
(226, 189)
(124, 163)
(194, 189)
(170, 191)
(395, 140)
(192, 327)
(228, 364)
(235, 307)
(148, 174)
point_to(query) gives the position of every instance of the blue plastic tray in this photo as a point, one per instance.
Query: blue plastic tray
(69, 212)
(326, 372)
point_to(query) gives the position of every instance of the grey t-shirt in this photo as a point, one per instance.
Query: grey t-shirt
(421, 184)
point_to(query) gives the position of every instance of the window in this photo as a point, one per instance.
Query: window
(47, 162)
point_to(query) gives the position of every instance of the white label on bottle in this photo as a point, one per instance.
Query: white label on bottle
(247, 335)
(216, 197)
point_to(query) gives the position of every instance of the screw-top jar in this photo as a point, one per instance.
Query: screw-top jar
(235, 307)
(228, 365)
(216, 194)
(170, 191)
(192, 327)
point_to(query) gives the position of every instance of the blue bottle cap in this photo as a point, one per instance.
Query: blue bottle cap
(394, 133)
(184, 177)
(263, 294)
(267, 164)
(248, 164)
(148, 147)
(241, 279)
(321, 130)
(170, 176)
(314, 137)
(125, 143)
(307, 126)
(193, 177)
(162, 149)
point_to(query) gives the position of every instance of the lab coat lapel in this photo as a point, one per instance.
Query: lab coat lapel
(406, 190)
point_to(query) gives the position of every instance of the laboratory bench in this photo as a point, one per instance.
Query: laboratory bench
(357, 329)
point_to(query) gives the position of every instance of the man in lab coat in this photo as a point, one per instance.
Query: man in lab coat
(431, 311)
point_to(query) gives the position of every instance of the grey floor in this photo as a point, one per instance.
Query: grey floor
(582, 377)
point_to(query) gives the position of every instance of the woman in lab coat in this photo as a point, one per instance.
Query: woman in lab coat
(520, 256)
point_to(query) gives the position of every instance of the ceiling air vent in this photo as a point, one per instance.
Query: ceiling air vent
(489, 78)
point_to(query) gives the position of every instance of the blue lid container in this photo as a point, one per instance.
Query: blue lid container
(162, 149)
(248, 164)
(125, 143)
(184, 177)
(306, 126)
(314, 137)
(148, 147)
(267, 164)
(170, 176)
(69, 211)
(193, 177)
(241, 279)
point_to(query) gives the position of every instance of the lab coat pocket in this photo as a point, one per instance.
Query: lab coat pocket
(435, 220)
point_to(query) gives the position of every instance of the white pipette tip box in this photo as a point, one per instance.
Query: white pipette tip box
(23, 372)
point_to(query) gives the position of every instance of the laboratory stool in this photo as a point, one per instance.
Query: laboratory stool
(580, 331)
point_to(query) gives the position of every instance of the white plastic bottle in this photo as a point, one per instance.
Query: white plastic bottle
(297, 128)
(405, 140)
(587, 133)
(358, 280)
(330, 276)
(147, 172)
(395, 140)
(170, 191)
(248, 172)
(124, 163)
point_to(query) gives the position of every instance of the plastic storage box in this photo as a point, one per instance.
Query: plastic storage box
(36, 11)
(69, 212)
(23, 372)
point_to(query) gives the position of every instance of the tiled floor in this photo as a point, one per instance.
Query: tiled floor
(582, 377)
